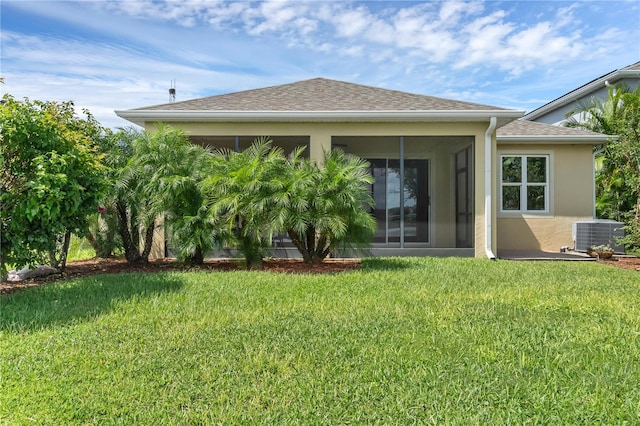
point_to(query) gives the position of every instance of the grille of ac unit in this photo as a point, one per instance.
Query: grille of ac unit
(598, 232)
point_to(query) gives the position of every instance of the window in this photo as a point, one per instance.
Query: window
(524, 183)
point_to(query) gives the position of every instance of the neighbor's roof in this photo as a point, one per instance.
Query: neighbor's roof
(526, 131)
(319, 99)
(630, 71)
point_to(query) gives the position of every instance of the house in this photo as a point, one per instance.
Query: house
(451, 178)
(555, 111)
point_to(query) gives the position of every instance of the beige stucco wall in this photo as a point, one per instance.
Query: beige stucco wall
(320, 135)
(572, 199)
(571, 176)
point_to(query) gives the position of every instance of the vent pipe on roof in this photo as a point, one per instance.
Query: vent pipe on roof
(172, 91)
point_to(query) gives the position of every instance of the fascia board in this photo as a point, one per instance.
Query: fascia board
(565, 99)
(142, 116)
(539, 140)
(581, 92)
(625, 74)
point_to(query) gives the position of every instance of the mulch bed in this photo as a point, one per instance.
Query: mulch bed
(95, 266)
(83, 268)
(625, 262)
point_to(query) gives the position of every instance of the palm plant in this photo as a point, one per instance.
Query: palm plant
(328, 205)
(133, 205)
(618, 180)
(243, 193)
(259, 192)
(124, 200)
(173, 168)
(104, 231)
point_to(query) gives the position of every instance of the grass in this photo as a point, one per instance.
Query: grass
(401, 341)
(80, 249)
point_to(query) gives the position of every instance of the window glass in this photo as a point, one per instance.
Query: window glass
(536, 169)
(535, 198)
(511, 197)
(512, 169)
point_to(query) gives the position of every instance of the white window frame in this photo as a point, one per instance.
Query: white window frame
(524, 184)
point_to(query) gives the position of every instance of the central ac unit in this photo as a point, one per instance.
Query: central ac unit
(598, 232)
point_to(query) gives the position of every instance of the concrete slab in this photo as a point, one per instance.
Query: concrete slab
(543, 255)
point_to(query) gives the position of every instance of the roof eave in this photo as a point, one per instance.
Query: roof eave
(580, 92)
(141, 116)
(559, 139)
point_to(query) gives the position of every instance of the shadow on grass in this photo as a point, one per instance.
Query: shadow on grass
(386, 264)
(81, 299)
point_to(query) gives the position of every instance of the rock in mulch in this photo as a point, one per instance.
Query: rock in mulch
(27, 273)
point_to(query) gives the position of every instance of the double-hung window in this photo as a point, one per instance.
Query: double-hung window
(524, 183)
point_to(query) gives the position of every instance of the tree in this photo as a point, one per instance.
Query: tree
(243, 194)
(328, 205)
(126, 204)
(51, 179)
(618, 179)
(173, 169)
(259, 193)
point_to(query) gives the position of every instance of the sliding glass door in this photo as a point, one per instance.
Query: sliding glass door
(401, 196)
(464, 198)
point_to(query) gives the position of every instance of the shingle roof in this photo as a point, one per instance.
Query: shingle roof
(321, 94)
(633, 67)
(530, 129)
(585, 89)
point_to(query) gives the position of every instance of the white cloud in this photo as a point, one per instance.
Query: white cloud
(102, 77)
(126, 52)
(221, 13)
(462, 32)
(566, 16)
(351, 23)
(542, 45)
(452, 11)
(351, 51)
(275, 16)
(517, 48)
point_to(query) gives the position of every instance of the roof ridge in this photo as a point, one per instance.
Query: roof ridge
(321, 94)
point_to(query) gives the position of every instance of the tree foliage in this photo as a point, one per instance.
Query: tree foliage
(618, 179)
(51, 178)
(327, 205)
(243, 193)
(123, 206)
(63, 174)
(322, 207)
(169, 170)
(154, 175)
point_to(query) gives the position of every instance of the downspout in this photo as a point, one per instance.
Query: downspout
(488, 137)
(401, 192)
(595, 198)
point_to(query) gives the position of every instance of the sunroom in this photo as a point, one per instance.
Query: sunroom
(432, 159)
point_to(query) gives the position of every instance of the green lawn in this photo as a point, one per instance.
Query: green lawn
(80, 249)
(402, 341)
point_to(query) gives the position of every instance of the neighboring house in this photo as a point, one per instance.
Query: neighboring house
(555, 111)
(450, 177)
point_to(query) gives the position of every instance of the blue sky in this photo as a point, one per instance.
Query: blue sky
(109, 55)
